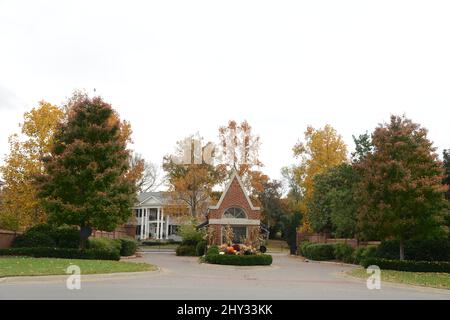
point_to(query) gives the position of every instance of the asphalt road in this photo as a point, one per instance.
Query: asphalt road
(184, 278)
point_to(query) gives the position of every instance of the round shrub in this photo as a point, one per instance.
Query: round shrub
(128, 247)
(343, 252)
(213, 250)
(320, 252)
(34, 239)
(363, 253)
(303, 247)
(200, 248)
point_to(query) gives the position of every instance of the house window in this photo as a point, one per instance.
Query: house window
(239, 234)
(235, 213)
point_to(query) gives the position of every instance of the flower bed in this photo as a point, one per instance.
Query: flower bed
(238, 255)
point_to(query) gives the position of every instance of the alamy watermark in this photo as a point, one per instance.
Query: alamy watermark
(73, 282)
(374, 281)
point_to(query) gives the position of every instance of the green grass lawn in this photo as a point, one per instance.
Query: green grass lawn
(426, 279)
(159, 246)
(27, 266)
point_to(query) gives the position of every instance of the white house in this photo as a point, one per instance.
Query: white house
(155, 217)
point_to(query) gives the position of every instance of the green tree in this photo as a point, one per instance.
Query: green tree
(401, 184)
(447, 172)
(290, 223)
(85, 181)
(333, 205)
(271, 206)
(363, 146)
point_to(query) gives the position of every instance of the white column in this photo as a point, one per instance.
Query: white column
(146, 223)
(142, 224)
(161, 233)
(167, 227)
(157, 223)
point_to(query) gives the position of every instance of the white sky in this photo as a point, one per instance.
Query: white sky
(173, 68)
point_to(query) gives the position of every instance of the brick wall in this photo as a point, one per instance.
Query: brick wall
(235, 197)
(326, 238)
(7, 237)
(126, 231)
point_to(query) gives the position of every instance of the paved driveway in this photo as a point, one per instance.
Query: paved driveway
(184, 278)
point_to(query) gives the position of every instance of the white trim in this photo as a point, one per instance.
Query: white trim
(235, 221)
(222, 197)
(151, 196)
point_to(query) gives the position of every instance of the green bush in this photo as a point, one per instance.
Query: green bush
(34, 239)
(104, 244)
(417, 250)
(303, 246)
(320, 251)
(67, 237)
(343, 252)
(200, 248)
(239, 260)
(190, 235)
(186, 250)
(363, 253)
(45, 235)
(213, 250)
(408, 265)
(67, 253)
(128, 247)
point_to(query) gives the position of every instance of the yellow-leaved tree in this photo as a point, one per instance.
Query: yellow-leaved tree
(321, 150)
(20, 207)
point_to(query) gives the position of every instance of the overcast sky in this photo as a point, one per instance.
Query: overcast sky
(173, 68)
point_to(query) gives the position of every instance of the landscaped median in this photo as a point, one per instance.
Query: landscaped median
(239, 257)
(28, 266)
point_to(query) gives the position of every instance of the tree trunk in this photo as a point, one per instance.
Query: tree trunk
(85, 233)
(402, 250)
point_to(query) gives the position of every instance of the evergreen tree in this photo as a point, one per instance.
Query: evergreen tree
(86, 182)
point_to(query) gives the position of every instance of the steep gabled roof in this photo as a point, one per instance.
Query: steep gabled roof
(234, 175)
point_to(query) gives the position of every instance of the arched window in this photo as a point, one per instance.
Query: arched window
(234, 212)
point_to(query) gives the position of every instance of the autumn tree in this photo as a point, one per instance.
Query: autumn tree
(20, 207)
(401, 184)
(191, 179)
(322, 150)
(85, 181)
(239, 150)
(333, 205)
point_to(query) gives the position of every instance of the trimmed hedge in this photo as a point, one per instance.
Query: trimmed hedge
(45, 235)
(344, 252)
(239, 260)
(319, 251)
(104, 244)
(128, 247)
(408, 265)
(417, 250)
(186, 250)
(67, 253)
